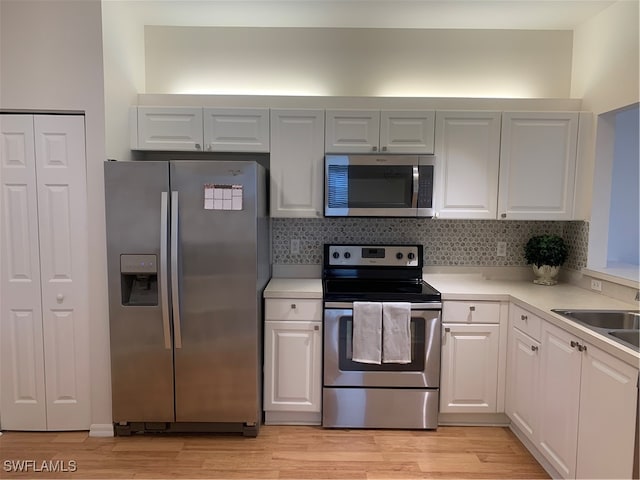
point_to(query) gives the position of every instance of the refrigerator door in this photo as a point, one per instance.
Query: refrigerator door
(218, 317)
(139, 321)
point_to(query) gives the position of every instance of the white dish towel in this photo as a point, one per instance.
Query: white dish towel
(396, 332)
(367, 332)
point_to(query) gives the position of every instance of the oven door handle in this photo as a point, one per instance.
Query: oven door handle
(414, 306)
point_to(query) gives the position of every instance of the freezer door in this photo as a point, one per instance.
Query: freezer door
(217, 317)
(141, 350)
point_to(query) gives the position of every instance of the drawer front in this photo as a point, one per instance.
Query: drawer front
(293, 309)
(471, 312)
(526, 321)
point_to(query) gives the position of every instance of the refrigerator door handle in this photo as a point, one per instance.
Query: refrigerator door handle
(175, 293)
(164, 279)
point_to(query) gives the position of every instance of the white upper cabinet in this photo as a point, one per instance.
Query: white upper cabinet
(297, 163)
(467, 148)
(538, 165)
(167, 128)
(196, 129)
(386, 131)
(236, 130)
(404, 131)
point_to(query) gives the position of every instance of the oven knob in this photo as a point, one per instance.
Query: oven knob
(347, 255)
(336, 255)
(411, 256)
(399, 255)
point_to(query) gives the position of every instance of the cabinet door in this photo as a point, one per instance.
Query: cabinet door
(608, 395)
(352, 131)
(537, 165)
(236, 129)
(405, 131)
(468, 157)
(62, 220)
(297, 163)
(522, 383)
(292, 366)
(559, 399)
(22, 400)
(170, 128)
(469, 380)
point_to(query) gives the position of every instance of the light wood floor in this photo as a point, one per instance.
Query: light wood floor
(279, 452)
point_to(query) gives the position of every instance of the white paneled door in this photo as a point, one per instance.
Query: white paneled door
(44, 275)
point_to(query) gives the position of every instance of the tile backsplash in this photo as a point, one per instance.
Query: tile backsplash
(446, 242)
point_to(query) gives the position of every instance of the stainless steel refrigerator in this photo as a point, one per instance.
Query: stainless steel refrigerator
(188, 258)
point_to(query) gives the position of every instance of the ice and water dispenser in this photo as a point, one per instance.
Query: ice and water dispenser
(139, 280)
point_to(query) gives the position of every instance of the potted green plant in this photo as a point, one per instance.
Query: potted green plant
(546, 253)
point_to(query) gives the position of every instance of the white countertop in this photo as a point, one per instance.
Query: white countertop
(294, 288)
(538, 299)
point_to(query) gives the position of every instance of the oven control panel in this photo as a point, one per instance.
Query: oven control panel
(374, 255)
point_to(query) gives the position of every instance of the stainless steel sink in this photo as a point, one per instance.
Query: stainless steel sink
(622, 326)
(629, 336)
(609, 319)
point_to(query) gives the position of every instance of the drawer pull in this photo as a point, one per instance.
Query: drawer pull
(582, 348)
(523, 317)
(316, 328)
(447, 329)
(293, 306)
(534, 348)
(472, 308)
(574, 344)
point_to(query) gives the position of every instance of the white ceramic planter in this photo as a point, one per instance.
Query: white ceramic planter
(546, 274)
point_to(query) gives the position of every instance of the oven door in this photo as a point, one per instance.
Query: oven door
(341, 371)
(378, 185)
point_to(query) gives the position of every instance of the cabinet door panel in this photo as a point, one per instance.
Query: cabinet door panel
(352, 131)
(522, 390)
(236, 129)
(297, 163)
(406, 131)
(292, 366)
(62, 218)
(537, 165)
(608, 392)
(559, 399)
(22, 401)
(468, 158)
(170, 128)
(469, 378)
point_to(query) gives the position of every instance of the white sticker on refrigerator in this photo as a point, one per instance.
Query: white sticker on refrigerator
(222, 197)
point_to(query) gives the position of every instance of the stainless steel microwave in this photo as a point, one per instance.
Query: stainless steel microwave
(379, 185)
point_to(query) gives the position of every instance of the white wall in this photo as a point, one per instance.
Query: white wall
(123, 40)
(358, 62)
(51, 59)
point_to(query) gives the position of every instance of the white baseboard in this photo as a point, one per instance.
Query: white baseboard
(101, 430)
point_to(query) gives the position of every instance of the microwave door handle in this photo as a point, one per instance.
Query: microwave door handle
(416, 184)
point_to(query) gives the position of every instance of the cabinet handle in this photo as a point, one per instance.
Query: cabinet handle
(503, 215)
(316, 328)
(375, 149)
(447, 329)
(534, 348)
(582, 348)
(472, 308)
(198, 147)
(574, 344)
(524, 317)
(384, 149)
(60, 298)
(293, 306)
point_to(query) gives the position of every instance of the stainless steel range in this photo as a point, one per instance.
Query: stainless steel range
(377, 394)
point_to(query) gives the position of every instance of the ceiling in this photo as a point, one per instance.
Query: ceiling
(428, 14)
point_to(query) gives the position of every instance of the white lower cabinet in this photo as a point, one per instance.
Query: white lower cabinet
(472, 367)
(293, 362)
(573, 401)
